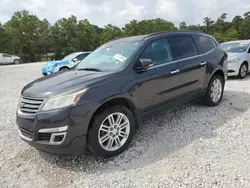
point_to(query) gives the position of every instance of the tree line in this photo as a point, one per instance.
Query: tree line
(29, 37)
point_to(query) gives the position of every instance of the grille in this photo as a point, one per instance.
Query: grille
(29, 105)
(26, 133)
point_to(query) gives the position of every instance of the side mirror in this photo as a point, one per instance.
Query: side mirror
(75, 59)
(143, 65)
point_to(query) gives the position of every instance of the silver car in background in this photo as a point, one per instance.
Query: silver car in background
(238, 57)
(9, 59)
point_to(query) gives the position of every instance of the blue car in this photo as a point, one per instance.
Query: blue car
(65, 64)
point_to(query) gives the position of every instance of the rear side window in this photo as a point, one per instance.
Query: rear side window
(206, 44)
(182, 47)
(6, 55)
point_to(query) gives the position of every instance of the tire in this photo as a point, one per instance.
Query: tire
(243, 71)
(63, 69)
(16, 61)
(106, 133)
(211, 98)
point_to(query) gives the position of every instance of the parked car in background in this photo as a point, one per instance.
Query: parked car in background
(238, 57)
(66, 63)
(100, 103)
(9, 59)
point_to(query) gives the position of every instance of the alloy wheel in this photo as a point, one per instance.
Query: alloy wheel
(243, 70)
(114, 131)
(216, 90)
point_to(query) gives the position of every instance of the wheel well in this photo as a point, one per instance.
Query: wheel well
(118, 101)
(247, 64)
(221, 73)
(63, 67)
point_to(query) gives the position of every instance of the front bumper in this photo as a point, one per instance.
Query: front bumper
(60, 132)
(233, 69)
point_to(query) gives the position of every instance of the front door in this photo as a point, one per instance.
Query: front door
(7, 58)
(161, 82)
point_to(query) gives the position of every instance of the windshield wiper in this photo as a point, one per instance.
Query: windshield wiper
(91, 69)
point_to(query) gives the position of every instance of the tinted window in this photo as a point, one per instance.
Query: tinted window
(158, 51)
(6, 55)
(81, 56)
(206, 44)
(182, 47)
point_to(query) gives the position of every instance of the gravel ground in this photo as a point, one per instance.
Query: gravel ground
(191, 146)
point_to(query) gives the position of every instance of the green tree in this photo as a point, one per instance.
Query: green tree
(70, 35)
(183, 26)
(3, 39)
(110, 32)
(26, 35)
(221, 25)
(208, 25)
(148, 26)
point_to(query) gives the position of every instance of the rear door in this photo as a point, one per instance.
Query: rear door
(192, 66)
(160, 83)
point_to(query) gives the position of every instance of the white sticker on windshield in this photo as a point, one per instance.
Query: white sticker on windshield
(119, 57)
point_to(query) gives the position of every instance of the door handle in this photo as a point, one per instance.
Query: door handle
(175, 71)
(203, 63)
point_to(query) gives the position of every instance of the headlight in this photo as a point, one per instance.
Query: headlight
(63, 101)
(234, 60)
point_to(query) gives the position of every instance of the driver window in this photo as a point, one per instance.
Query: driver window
(158, 51)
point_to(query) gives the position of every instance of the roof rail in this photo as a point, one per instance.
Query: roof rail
(119, 38)
(177, 31)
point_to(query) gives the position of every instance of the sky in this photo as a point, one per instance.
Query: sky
(120, 12)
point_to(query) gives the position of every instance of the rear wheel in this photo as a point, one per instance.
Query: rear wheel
(111, 131)
(243, 71)
(16, 61)
(215, 91)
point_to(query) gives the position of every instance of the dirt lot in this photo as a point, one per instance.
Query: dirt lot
(192, 146)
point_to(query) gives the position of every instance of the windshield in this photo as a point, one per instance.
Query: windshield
(69, 57)
(235, 47)
(110, 56)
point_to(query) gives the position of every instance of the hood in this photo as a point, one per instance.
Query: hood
(61, 82)
(235, 55)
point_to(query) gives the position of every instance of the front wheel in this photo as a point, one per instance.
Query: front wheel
(111, 131)
(243, 71)
(215, 91)
(16, 61)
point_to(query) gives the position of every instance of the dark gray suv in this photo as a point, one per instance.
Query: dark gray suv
(99, 104)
